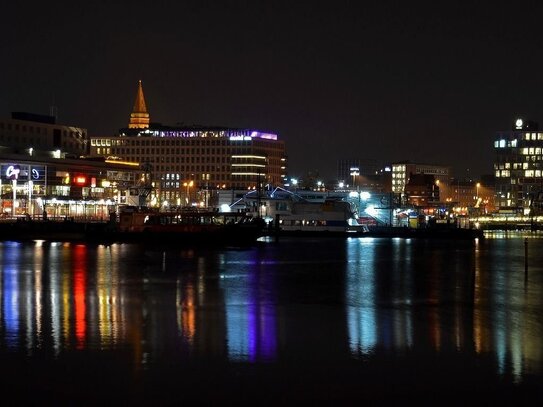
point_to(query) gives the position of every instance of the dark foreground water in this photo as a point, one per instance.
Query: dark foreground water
(336, 322)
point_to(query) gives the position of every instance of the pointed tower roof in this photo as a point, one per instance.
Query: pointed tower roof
(139, 104)
(139, 118)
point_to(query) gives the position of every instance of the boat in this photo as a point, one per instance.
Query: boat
(330, 218)
(186, 227)
(287, 214)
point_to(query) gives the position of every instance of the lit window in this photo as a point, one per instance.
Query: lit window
(502, 143)
(514, 143)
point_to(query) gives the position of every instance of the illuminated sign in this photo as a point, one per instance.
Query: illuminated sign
(12, 172)
(519, 123)
(80, 180)
(20, 172)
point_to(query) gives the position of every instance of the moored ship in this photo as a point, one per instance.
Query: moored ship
(192, 227)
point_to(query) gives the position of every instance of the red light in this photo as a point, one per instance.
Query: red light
(80, 180)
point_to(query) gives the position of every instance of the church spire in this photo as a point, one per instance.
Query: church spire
(139, 118)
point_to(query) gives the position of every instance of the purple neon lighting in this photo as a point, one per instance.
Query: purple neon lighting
(211, 133)
(267, 136)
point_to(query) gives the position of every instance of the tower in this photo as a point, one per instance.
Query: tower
(139, 118)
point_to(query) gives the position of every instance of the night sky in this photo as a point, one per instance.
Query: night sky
(381, 80)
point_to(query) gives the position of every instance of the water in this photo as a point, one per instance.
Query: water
(322, 321)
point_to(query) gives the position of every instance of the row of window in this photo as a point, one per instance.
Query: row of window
(515, 166)
(526, 173)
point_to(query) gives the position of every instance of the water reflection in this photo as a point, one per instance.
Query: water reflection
(340, 300)
(250, 309)
(449, 298)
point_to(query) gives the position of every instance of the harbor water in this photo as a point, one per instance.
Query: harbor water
(299, 320)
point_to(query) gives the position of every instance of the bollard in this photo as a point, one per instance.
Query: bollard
(526, 257)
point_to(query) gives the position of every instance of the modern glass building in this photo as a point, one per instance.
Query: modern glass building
(518, 167)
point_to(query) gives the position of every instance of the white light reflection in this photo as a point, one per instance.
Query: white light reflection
(360, 293)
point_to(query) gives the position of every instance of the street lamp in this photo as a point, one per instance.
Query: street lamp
(188, 185)
(355, 171)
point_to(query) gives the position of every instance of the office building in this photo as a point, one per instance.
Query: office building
(518, 167)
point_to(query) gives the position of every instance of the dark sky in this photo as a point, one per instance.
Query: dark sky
(429, 82)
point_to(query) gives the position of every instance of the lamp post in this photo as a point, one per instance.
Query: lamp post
(355, 171)
(188, 185)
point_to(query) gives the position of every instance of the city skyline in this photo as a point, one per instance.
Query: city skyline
(418, 82)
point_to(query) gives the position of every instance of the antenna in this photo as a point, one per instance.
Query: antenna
(53, 110)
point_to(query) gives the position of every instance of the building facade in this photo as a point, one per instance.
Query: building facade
(42, 170)
(518, 167)
(28, 133)
(422, 190)
(189, 164)
(33, 185)
(402, 171)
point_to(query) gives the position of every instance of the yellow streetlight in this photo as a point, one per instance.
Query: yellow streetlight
(188, 185)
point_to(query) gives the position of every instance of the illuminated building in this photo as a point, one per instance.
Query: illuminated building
(41, 169)
(188, 164)
(64, 187)
(402, 171)
(518, 166)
